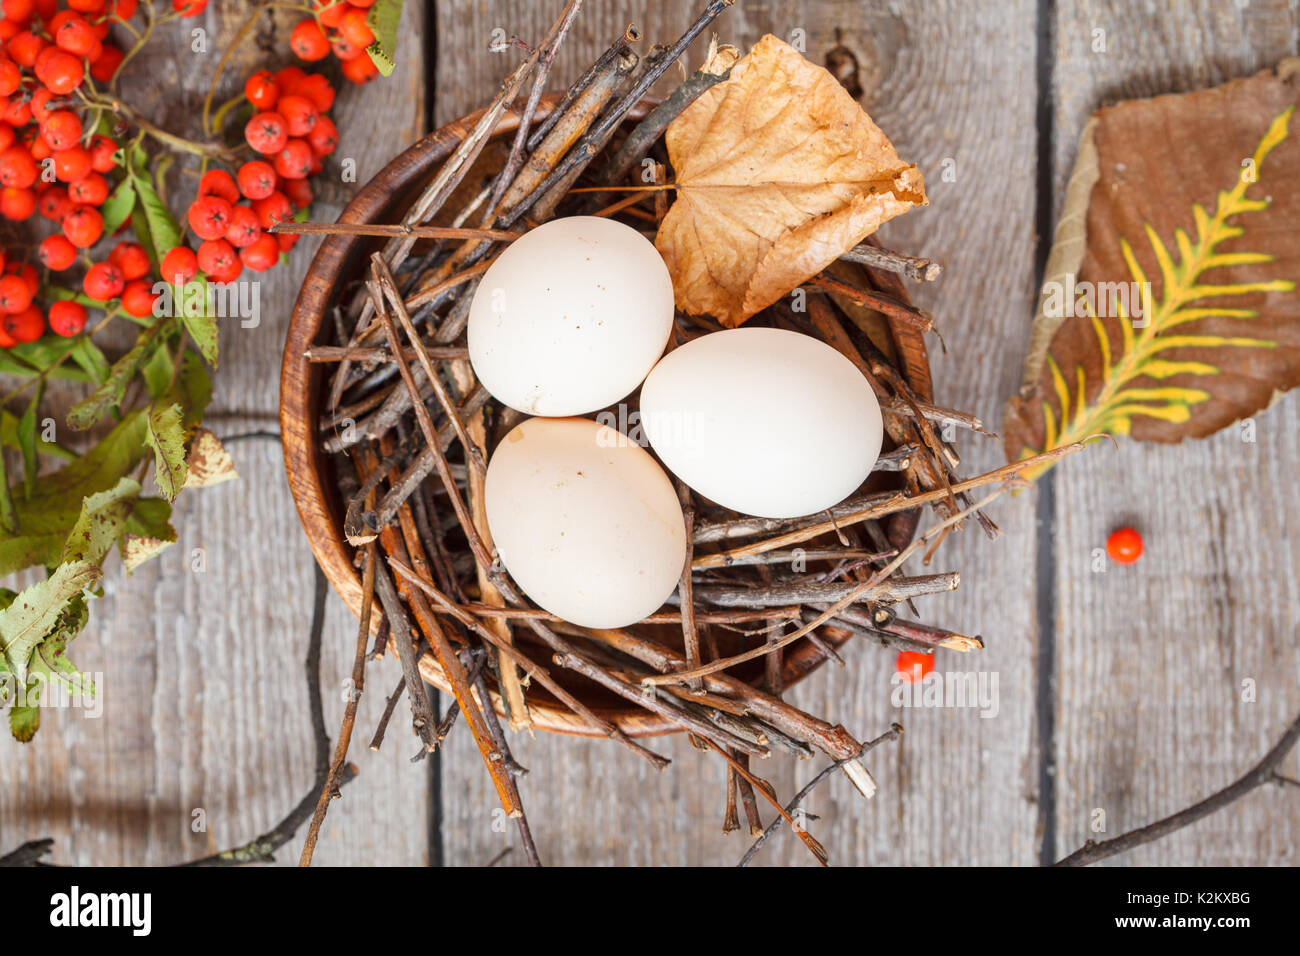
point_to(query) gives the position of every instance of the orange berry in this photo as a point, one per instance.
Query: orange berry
(1124, 545)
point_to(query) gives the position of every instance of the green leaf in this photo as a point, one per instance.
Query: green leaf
(44, 520)
(166, 436)
(383, 19)
(24, 721)
(101, 523)
(94, 406)
(195, 385)
(9, 438)
(35, 612)
(27, 439)
(157, 373)
(8, 514)
(88, 355)
(161, 233)
(48, 664)
(117, 208)
(200, 321)
(43, 355)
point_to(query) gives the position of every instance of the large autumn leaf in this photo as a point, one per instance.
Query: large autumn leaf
(1169, 309)
(778, 172)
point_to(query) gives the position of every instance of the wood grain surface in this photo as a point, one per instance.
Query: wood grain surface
(205, 703)
(1152, 658)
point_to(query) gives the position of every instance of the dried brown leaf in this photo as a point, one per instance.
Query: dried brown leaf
(779, 171)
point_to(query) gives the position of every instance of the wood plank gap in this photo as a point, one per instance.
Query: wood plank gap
(1045, 526)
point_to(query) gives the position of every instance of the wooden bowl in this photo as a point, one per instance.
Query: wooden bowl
(341, 259)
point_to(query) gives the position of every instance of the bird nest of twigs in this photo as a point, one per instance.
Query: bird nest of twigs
(387, 433)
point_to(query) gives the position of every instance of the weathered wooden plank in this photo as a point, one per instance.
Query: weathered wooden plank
(205, 700)
(1153, 657)
(953, 85)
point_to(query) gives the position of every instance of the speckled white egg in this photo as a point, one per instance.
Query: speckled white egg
(585, 521)
(570, 317)
(766, 422)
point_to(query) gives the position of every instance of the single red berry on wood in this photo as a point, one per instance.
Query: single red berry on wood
(913, 665)
(189, 8)
(67, 318)
(1124, 545)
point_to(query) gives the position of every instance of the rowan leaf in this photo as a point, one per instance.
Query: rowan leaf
(383, 20)
(43, 521)
(166, 436)
(778, 172)
(1183, 317)
(35, 612)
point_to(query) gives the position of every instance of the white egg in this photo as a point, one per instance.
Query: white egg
(763, 421)
(585, 521)
(571, 317)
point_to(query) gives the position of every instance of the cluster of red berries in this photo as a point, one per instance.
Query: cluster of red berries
(47, 162)
(292, 133)
(338, 27)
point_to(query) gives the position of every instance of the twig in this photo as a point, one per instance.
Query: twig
(330, 790)
(914, 267)
(893, 505)
(894, 731)
(1263, 772)
(398, 230)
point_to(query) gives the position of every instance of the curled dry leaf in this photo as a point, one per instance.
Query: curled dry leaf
(209, 463)
(1169, 309)
(779, 172)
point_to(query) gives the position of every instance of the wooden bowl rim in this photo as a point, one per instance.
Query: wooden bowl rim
(300, 388)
